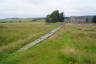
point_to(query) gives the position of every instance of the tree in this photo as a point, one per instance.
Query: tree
(55, 16)
(94, 19)
(61, 17)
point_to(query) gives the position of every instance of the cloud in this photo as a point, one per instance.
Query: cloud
(38, 8)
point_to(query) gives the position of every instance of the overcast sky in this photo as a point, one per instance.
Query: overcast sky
(40, 8)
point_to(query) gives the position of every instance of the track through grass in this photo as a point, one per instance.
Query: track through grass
(15, 35)
(73, 44)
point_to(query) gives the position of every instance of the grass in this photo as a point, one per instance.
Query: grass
(10, 33)
(73, 44)
(15, 35)
(15, 20)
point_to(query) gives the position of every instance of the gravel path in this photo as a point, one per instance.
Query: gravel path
(40, 39)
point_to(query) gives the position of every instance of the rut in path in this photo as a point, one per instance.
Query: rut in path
(40, 39)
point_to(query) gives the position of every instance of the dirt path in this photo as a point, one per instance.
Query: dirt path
(40, 39)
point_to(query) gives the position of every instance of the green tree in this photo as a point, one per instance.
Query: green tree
(61, 17)
(55, 16)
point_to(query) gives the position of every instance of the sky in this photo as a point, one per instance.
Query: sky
(40, 8)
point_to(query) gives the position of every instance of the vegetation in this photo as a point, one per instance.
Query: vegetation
(21, 20)
(55, 17)
(73, 44)
(15, 35)
(15, 20)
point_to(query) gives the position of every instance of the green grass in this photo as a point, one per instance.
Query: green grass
(73, 44)
(12, 32)
(15, 20)
(15, 35)
(20, 20)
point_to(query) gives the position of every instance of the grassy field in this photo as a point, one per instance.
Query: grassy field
(73, 44)
(15, 35)
(21, 20)
(15, 20)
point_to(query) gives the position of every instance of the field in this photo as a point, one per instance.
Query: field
(73, 44)
(15, 35)
(15, 20)
(20, 20)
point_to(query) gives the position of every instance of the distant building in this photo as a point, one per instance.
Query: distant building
(80, 19)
